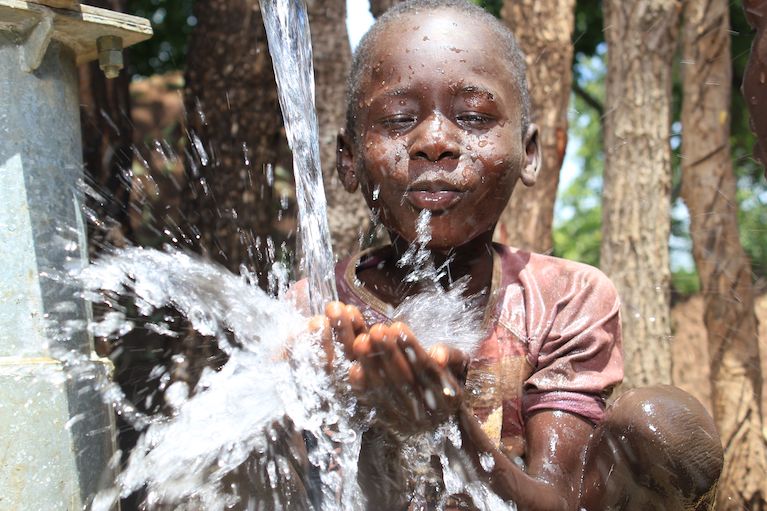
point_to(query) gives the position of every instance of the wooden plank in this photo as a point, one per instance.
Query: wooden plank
(72, 5)
(78, 29)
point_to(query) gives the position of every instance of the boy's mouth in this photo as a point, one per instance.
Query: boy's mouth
(433, 198)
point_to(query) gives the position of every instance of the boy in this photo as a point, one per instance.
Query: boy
(439, 121)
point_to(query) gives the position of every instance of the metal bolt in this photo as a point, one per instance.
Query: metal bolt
(110, 50)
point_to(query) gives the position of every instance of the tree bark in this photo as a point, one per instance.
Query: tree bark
(641, 37)
(754, 88)
(234, 130)
(709, 190)
(347, 213)
(543, 30)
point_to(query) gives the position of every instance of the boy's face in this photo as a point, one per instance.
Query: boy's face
(439, 130)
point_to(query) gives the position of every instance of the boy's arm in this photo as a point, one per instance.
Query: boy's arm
(556, 443)
(414, 390)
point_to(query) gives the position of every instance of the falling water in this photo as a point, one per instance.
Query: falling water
(287, 29)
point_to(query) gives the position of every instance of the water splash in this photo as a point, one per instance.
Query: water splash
(436, 314)
(273, 382)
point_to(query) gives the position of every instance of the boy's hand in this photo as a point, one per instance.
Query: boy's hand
(341, 324)
(411, 390)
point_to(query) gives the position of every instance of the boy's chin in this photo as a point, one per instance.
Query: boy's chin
(448, 243)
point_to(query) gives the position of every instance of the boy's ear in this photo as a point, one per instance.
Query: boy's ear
(345, 162)
(533, 153)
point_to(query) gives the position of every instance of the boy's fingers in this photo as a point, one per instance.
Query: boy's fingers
(437, 386)
(341, 325)
(358, 322)
(318, 324)
(357, 377)
(361, 347)
(428, 374)
(346, 323)
(411, 348)
(363, 353)
(391, 359)
(452, 359)
(386, 375)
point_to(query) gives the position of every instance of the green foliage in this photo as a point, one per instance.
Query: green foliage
(684, 282)
(753, 224)
(172, 22)
(492, 6)
(578, 221)
(587, 34)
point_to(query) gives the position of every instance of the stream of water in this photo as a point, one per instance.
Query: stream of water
(287, 29)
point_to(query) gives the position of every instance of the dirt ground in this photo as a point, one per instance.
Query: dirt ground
(690, 354)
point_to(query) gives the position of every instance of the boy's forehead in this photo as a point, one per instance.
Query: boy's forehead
(456, 45)
(427, 31)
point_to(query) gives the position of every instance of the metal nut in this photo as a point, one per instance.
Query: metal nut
(110, 50)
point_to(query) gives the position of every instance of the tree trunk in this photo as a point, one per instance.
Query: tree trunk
(107, 133)
(234, 130)
(347, 213)
(709, 189)
(543, 30)
(754, 88)
(641, 37)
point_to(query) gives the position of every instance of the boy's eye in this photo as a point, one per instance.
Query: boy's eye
(398, 122)
(473, 120)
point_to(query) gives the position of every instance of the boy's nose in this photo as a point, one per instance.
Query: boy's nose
(435, 139)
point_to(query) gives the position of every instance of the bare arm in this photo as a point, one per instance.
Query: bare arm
(556, 442)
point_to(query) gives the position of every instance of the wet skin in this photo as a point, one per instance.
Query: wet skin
(439, 129)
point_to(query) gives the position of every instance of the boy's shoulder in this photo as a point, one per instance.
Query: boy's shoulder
(553, 272)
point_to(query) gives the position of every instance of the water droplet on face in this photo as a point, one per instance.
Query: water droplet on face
(376, 191)
(482, 143)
